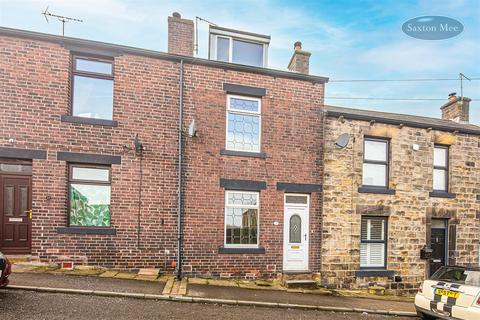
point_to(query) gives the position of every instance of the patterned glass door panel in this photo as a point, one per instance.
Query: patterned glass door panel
(295, 229)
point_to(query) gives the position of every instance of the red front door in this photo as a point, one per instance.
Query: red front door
(15, 213)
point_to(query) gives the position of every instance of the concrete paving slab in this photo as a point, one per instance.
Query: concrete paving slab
(197, 281)
(222, 283)
(125, 275)
(85, 283)
(108, 274)
(283, 297)
(168, 286)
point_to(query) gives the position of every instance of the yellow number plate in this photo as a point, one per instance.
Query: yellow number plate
(448, 293)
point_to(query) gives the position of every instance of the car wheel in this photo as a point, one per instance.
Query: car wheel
(424, 316)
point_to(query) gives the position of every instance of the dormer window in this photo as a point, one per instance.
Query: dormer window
(238, 47)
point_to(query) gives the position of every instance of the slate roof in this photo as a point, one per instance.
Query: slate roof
(110, 49)
(405, 119)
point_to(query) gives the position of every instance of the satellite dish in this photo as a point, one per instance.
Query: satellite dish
(342, 140)
(138, 145)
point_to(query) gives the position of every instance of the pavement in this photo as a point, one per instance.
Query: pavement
(26, 305)
(95, 285)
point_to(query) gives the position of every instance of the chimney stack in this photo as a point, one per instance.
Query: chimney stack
(456, 109)
(180, 35)
(300, 61)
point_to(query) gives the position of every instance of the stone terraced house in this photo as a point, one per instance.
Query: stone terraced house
(129, 158)
(401, 198)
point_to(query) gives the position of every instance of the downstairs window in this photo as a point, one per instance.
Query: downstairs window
(89, 196)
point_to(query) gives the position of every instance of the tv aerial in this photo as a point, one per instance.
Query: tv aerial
(62, 19)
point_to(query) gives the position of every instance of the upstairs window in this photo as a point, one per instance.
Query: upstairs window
(243, 123)
(238, 51)
(373, 243)
(92, 88)
(375, 163)
(238, 47)
(89, 196)
(440, 168)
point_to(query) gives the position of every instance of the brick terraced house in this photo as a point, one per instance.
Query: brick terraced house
(98, 139)
(401, 196)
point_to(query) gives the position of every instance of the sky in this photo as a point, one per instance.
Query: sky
(348, 40)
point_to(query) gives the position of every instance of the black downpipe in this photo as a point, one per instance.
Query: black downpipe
(180, 150)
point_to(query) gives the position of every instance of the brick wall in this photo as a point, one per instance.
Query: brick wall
(35, 97)
(180, 35)
(411, 209)
(292, 140)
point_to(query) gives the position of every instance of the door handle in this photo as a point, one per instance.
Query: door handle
(29, 212)
(305, 237)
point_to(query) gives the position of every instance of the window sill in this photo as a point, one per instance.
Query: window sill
(442, 194)
(230, 250)
(374, 273)
(87, 230)
(261, 155)
(377, 190)
(93, 121)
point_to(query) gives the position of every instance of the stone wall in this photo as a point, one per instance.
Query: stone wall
(409, 210)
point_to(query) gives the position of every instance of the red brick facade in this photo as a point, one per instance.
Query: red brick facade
(35, 77)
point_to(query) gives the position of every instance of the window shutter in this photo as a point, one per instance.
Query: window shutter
(364, 229)
(376, 252)
(372, 253)
(376, 229)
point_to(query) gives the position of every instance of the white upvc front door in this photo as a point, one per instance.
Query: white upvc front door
(296, 232)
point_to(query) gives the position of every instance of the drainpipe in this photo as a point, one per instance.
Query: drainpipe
(180, 150)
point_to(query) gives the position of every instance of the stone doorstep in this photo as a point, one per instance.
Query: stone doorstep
(146, 278)
(149, 272)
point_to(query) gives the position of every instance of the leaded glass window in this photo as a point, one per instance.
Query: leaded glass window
(241, 218)
(89, 193)
(243, 124)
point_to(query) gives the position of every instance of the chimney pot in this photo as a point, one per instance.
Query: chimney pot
(300, 61)
(452, 95)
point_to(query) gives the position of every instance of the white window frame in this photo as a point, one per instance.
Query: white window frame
(230, 245)
(368, 242)
(230, 48)
(445, 168)
(249, 113)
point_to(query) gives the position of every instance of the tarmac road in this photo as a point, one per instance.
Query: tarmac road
(15, 304)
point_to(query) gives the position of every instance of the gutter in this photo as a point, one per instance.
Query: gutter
(407, 123)
(180, 181)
